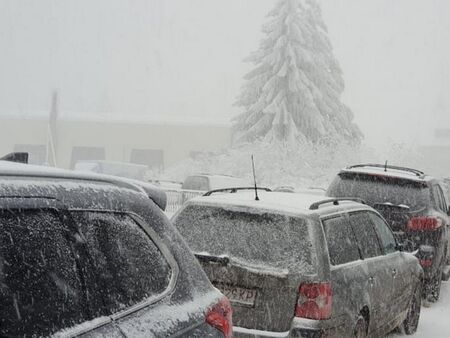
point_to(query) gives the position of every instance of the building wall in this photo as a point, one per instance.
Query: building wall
(176, 142)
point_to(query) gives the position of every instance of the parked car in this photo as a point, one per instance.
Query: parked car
(88, 255)
(294, 265)
(121, 169)
(207, 182)
(414, 206)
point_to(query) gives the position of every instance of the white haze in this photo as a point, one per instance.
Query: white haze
(183, 58)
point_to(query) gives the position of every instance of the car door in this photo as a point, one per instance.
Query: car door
(379, 283)
(349, 278)
(400, 267)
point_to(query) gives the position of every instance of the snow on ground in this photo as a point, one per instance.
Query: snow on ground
(435, 319)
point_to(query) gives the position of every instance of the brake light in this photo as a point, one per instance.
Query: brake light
(426, 263)
(314, 301)
(220, 317)
(424, 223)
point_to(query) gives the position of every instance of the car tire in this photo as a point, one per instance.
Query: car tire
(434, 289)
(411, 322)
(360, 330)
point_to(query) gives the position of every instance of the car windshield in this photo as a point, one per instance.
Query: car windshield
(379, 189)
(250, 236)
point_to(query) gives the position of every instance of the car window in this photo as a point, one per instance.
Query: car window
(129, 265)
(439, 198)
(365, 234)
(251, 236)
(375, 189)
(384, 233)
(196, 183)
(40, 286)
(342, 246)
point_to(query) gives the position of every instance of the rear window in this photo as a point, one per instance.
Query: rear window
(253, 237)
(129, 265)
(379, 189)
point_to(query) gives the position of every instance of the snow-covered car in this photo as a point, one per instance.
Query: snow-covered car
(207, 182)
(414, 206)
(89, 255)
(296, 265)
(121, 169)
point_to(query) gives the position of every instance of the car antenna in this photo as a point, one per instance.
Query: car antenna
(254, 179)
(385, 166)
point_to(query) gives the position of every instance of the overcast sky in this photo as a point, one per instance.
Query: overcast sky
(183, 58)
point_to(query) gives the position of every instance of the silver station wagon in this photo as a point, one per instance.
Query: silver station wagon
(294, 265)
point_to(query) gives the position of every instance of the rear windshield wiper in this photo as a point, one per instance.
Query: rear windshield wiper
(391, 205)
(206, 258)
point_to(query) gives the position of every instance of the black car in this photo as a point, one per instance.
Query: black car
(414, 206)
(294, 265)
(90, 256)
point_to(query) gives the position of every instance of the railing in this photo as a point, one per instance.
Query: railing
(177, 197)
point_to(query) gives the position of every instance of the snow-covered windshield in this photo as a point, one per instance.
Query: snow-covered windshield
(376, 189)
(251, 236)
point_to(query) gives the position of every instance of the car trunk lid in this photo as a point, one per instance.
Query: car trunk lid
(263, 298)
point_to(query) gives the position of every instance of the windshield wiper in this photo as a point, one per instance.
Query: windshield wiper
(392, 205)
(206, 258)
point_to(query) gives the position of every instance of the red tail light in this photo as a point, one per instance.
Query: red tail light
(424, 223)
(314, 301)
(426, 263)
(220, 317)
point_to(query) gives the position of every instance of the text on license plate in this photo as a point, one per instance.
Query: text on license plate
(238, 295)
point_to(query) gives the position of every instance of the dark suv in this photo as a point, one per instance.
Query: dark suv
(295, 266)
(84, 255)
(413, 205)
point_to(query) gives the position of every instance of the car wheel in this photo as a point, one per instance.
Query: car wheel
(434, 289)
(411, 322)
(360, 330)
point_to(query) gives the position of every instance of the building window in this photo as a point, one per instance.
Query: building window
(86, 153)
(37, 153)
(153, 158)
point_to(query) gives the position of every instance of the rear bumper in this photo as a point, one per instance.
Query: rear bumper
(300, 328)
(241, 332)
(307, 328)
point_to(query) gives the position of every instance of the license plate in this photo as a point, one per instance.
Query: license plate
(238, 295)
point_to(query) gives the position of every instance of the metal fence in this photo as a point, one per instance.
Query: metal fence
(177, 197)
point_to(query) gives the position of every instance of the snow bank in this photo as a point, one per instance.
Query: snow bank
(434, 320)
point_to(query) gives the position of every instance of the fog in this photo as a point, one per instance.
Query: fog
(182, 60)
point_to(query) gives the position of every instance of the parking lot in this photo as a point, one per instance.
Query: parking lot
(434, 319)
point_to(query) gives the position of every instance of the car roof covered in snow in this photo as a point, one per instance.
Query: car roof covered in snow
(394, 172)
(282, 202)
(40, 173)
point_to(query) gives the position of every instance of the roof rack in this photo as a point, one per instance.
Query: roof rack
(335, 201)
(383, 166)
(233, 190)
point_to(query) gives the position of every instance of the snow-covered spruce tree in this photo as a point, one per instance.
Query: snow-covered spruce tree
(293, 93)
